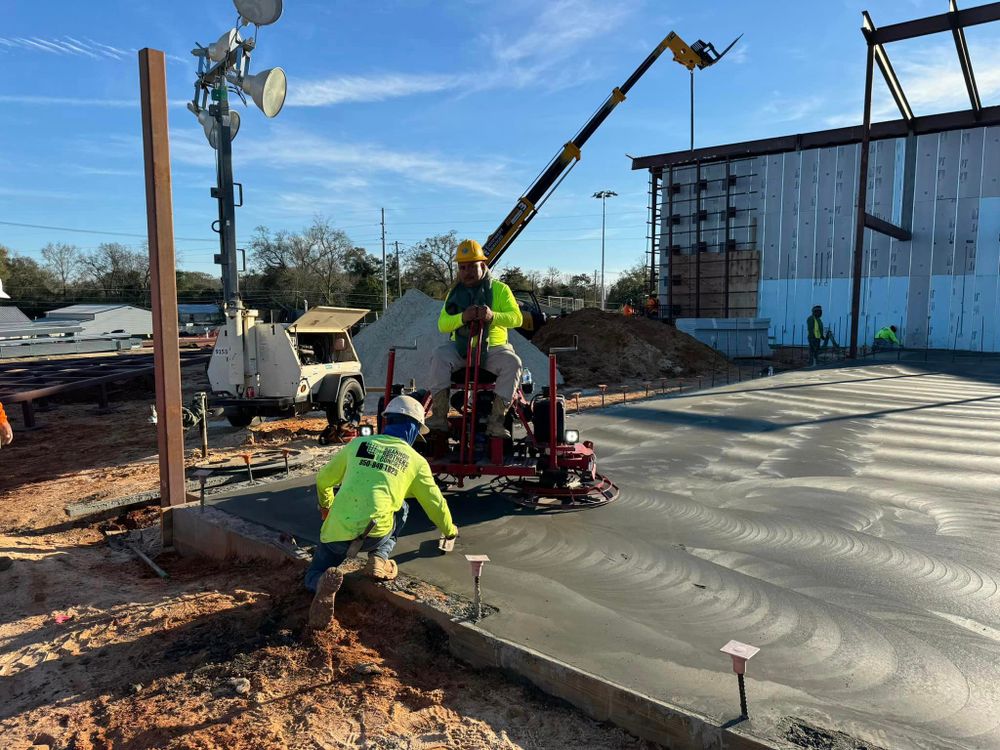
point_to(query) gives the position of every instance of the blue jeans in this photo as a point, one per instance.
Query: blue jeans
(331, 554)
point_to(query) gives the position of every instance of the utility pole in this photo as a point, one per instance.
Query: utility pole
(603, 195)
(385, 278)
(399, 273)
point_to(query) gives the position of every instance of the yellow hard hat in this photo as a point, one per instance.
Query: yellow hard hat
(469, 251)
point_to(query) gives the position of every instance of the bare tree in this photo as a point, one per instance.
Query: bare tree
(121, 272)
(313, 264)
(63, 262)
(430, 264)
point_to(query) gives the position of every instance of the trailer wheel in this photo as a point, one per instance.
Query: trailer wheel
(350, 403)
(239, 417)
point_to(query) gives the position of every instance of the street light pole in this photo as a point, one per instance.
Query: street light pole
(603, 195)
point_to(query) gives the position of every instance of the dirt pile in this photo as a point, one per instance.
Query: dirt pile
(615, 349)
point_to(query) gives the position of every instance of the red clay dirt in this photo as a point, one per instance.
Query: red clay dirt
(613, 349)
(96, 652)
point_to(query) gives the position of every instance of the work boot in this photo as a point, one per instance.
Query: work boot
(438, 421)
(381, 570)
(494, 425)
(321, 609)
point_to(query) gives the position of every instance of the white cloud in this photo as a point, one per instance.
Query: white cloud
(66, 101)
(64, 46)
(374, 88)
(790, 108)
(517, 62)
(303, 152)
(933, 79)
(560, 28)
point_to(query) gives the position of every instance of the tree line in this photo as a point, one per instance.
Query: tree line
(319, 265)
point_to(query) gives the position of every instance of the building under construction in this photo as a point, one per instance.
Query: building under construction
(766, 228)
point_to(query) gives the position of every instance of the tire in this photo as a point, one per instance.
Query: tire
(239, 417)
(350, 403)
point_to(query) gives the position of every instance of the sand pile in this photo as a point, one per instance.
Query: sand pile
(615, 349)
(413, 318)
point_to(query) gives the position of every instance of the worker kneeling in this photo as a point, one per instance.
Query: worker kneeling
(376, 474)
(886, 338)
(476, 296)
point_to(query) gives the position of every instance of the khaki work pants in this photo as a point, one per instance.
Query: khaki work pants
(502, 361)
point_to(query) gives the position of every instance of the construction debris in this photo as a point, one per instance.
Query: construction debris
(614, 349)
(410, 320)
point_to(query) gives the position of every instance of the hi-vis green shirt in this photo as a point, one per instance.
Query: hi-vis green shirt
(506, 314)
(375, 474)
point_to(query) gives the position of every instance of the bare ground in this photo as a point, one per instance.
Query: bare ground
(98, 652)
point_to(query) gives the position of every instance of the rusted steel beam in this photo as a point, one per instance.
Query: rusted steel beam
(10, 392)
(163, 280)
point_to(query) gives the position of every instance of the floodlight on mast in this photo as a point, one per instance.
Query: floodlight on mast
(224, 68)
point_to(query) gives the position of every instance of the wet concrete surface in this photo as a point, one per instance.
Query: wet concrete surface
(843, 520)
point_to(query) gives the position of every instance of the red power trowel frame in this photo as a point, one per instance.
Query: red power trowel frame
(548, 474)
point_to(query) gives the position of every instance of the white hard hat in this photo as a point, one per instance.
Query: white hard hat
(410, 407)
(3, 294)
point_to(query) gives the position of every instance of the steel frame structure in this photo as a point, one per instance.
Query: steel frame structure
(27, 382)
(954, 20)
(909, 126)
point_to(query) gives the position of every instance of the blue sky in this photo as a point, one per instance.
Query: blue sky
(441, 112)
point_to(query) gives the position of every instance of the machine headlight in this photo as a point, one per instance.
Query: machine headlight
(366, 430)
(571, 436)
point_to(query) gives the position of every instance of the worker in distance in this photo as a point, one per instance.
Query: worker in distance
(375, 474)
(817, 334)
(886, 339)
(476, 296)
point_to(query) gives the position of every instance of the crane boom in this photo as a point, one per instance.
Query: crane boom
(699, 55)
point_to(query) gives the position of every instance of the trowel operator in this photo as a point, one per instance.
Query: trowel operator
(477, 296)
(376, 474)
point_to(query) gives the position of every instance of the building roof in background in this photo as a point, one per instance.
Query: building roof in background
(10, 315)
(36, 328)
(87, 309)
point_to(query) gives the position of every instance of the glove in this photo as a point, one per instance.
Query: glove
(324, 512)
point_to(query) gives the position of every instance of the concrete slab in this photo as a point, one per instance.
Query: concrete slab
(843, 520)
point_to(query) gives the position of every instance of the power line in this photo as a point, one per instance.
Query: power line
(99, 231)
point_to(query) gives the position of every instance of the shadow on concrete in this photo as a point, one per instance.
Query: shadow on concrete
(290, 507)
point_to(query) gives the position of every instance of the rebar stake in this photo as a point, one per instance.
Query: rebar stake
(741, 653)
(285, 452)
(202, 475)
(603, 388)
(476, 563)
(246, 460)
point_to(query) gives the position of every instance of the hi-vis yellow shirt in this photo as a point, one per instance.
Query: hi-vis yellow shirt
(375, 474)
(506, 314)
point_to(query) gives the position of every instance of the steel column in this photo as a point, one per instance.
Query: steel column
(163, 280)
(963, 59)
(725, 248)
(859, 220)
(670, 245)
(697, 241)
